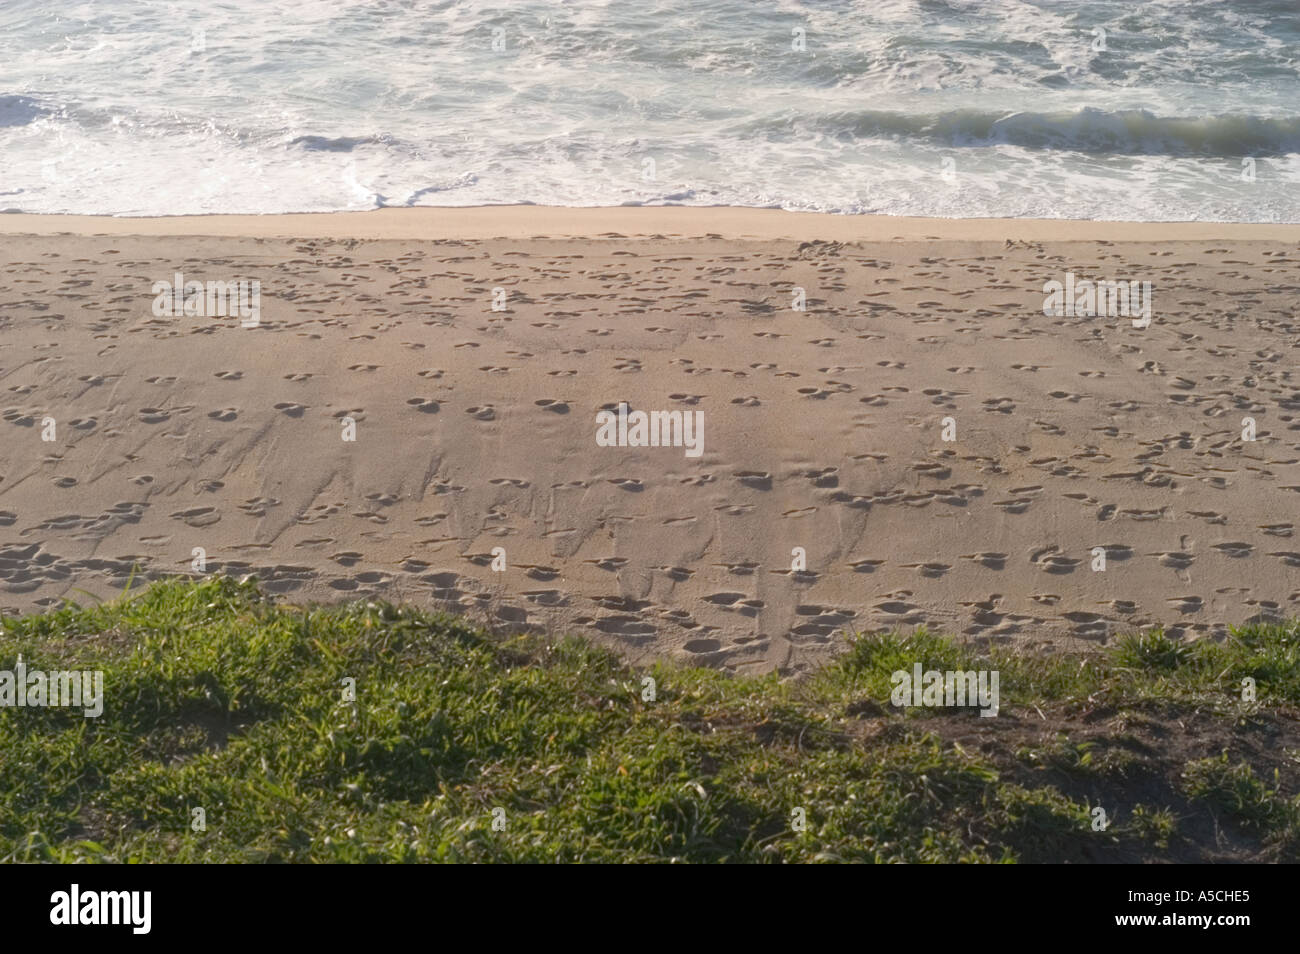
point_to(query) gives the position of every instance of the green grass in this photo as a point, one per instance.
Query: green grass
(219, 699)
(1236, 791)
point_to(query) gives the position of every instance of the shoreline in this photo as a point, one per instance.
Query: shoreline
(723, 222)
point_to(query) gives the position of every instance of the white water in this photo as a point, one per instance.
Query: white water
(300, 105)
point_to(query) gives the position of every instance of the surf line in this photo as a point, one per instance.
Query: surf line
(651, 429)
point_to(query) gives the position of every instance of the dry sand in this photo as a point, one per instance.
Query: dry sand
(822, 429)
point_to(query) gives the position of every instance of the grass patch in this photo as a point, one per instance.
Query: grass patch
(1243, 798)
(462, 747)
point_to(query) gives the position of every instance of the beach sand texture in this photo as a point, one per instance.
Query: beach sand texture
(475, 428)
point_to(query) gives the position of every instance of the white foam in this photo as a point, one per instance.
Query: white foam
(314, 105)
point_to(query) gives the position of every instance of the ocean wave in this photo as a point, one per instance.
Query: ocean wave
(1095, 131)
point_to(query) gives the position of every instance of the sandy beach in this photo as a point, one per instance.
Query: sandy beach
(825, 497)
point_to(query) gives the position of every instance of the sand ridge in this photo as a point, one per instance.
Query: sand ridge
(476, 429)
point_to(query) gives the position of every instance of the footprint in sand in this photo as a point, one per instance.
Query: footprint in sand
(258, 506)
(735, 510)
(932, 469)
(318, 513)
(1186, 604)
(198, 516)
(1174, 560)
(676, 573)
(930, 570)
(1050, 560)
(826, 477)
(895, 607)
(701, 647)
(1235, 549)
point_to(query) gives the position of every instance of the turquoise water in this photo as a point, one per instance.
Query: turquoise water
(909, 107)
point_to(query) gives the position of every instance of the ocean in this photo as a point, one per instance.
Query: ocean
(1160, 110)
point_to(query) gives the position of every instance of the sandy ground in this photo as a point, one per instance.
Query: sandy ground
(823, 429)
